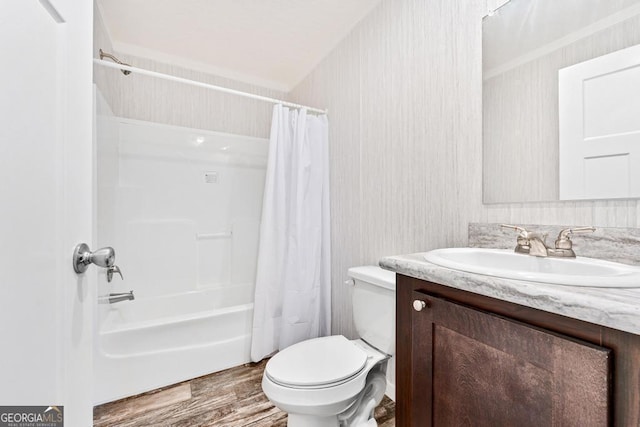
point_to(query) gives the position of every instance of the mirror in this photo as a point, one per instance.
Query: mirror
(525, 45)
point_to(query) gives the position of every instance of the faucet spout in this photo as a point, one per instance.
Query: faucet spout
(529, 242)
(537, 244)
(118, 297)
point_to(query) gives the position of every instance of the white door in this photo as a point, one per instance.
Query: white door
(46, 196)
(600, 127)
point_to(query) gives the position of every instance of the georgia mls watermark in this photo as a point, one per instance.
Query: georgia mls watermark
(31, 416)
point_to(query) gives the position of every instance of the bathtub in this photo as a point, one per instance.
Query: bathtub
(153, 342)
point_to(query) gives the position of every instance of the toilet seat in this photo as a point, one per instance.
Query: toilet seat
(317, 363)
(326, 400)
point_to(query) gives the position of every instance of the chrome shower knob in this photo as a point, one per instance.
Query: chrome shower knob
(104, 257)
(82, 257)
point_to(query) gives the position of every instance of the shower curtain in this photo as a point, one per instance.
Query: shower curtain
(293, 280)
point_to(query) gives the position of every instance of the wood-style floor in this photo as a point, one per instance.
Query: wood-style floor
(231, 398)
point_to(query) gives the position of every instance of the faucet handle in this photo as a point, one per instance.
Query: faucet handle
(522, 230)
(523, 233)
(523, 244)
(111, 271)
(564, 237)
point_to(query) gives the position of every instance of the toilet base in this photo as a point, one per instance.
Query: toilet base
(359, 415)
(300, 420)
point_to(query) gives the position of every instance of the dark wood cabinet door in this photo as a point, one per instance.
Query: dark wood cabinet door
(474, 368)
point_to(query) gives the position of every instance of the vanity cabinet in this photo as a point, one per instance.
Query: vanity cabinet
(466, 359)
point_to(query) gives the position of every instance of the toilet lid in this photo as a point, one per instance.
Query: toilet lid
(319, 361)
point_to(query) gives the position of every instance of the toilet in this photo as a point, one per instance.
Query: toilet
(333, 381)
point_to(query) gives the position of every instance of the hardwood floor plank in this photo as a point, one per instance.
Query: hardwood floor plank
(276, 420)
(132, 408)
(231, 398)
(385, 413)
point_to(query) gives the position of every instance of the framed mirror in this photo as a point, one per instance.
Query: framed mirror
(526, 44)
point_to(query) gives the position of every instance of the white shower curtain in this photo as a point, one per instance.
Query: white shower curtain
(293, 280)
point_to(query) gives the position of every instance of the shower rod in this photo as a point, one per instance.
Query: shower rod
(114, 59)
(126, 69)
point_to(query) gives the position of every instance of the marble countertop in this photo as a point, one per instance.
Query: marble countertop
(611, 307)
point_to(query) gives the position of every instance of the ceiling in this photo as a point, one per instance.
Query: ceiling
(272, 43)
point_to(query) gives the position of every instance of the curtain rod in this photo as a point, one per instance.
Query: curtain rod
(169, 77)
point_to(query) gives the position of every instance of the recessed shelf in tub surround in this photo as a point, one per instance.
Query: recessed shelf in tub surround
(214, 236)
(610, 307)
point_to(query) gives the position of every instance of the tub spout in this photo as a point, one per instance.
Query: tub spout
(113, 298)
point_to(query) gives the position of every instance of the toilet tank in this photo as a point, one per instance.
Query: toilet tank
(374, 306)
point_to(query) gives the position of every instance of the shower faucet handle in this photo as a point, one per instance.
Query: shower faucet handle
(111, 271)
(104, 257)
(83, 257)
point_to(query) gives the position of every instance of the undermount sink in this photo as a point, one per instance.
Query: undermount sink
(579, 271)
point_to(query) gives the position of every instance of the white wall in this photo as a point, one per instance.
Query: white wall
(404, 91)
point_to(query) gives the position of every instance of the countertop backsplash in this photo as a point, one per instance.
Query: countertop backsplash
(611, 244)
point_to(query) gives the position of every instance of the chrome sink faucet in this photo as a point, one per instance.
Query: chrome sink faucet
(533, 243)
(529, 242)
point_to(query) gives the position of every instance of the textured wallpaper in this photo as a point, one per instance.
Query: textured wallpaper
(404, 92)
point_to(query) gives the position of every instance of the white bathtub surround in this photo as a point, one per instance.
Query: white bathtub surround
(293, 285)
(188, 208)
(181, 207)
(155, 342)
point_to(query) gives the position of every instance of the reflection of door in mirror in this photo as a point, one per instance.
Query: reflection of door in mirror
(525, 43)
(599, 107)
